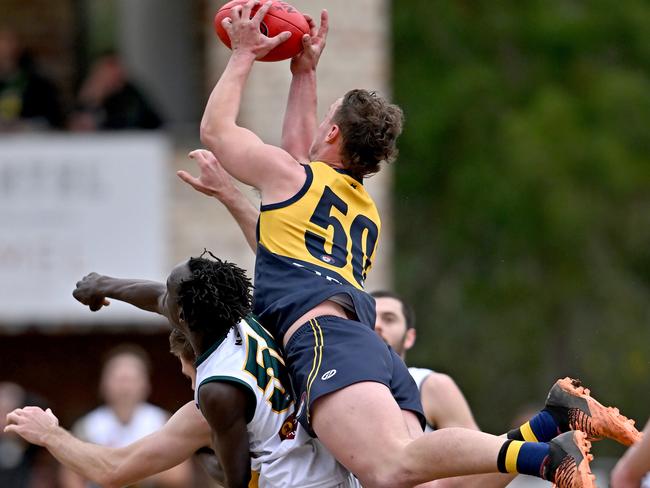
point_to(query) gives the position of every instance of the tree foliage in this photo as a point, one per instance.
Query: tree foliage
(523, 196)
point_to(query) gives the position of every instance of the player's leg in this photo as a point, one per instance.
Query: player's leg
(365, 430)
(343, 370)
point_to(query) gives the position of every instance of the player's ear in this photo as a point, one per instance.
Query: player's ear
(409, 339)
(333, 134)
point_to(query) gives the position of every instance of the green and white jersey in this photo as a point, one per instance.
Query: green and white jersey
(281, 453)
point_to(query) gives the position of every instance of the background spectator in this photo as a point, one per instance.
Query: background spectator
(28, 100)
(109, 100)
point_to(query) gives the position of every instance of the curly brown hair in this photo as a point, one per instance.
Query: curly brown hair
(369, 126)
(179, 345)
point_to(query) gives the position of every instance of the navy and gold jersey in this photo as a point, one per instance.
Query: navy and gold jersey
(317, 244)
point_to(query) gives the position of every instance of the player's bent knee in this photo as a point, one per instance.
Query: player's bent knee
(388, 475)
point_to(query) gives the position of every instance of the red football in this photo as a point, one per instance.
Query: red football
(281, 17)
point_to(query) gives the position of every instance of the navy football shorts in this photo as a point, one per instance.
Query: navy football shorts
(329, 353)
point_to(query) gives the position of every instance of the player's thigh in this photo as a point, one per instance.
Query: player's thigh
(364, 428)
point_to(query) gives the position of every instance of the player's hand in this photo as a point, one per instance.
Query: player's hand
(312, 45)
(32, 423)
(244, 31)
(213, 181)
(87, 292)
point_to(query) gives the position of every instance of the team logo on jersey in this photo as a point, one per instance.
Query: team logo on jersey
(327, 259)
(328, 374)
(288, 429)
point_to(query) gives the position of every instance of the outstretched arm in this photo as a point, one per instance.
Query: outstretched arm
(94, 289)
(300, 117)
(184, 433)
(215, 182)
(241, 152)
(634, 465)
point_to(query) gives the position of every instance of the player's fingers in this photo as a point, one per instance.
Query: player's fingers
(236, 12)
(187, 178)
(14, 417)
(254, 4)
(306, 41)
(261, 13)
(106, 303)
(192, 181)
(203, 159)
(280, 38)
(226, 23)
(313, 29)
(324, 24)
(96, 304)
(246, 9)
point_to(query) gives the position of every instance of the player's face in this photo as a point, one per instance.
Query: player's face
(391, 323)
(324, 131)
(189, 371)
(125, 380)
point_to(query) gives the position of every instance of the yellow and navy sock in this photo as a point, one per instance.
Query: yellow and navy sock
(523, 457)
(543, 427)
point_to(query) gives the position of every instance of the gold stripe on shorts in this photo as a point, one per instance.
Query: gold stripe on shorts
(318, 357)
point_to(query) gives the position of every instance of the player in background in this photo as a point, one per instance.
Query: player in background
(186, 433)
(443, 403)
(317, 234)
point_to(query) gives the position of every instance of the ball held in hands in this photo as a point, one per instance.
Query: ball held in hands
(281, 17)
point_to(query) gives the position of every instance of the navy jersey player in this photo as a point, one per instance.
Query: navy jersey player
(318, 231)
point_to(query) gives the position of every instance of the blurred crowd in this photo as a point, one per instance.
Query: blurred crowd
(122, 416)
(107, 98)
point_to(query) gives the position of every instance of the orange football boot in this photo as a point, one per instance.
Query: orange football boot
(583, 412)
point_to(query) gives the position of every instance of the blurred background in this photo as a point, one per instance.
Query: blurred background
(516, 220)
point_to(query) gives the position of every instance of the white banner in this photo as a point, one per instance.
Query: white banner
(71, 204)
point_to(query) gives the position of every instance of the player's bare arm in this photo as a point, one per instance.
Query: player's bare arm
(444, 404)
(94, 289)
(215, 182)
(226, 407)
(634, 465)
(243, 154)
(300, 117)
(183, 434)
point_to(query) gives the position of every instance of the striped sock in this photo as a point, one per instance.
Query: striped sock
(523, 457)
(541, 428)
